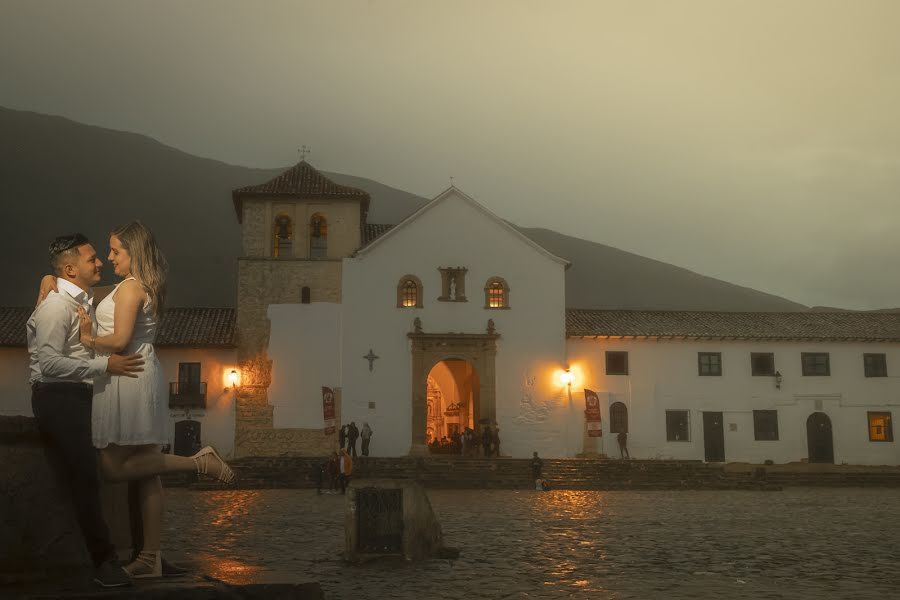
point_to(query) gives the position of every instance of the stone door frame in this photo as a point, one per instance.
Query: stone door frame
(428, 349)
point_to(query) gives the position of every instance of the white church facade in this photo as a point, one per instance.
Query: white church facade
(454, 319)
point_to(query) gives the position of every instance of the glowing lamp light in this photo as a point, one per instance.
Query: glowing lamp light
(566, 377)
(233, 378)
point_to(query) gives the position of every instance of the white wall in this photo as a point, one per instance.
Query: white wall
(304, 345)
(531, 411)
(217, 420)
(663, 375)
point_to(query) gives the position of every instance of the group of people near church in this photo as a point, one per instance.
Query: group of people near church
(348, 435)
(337, 471)
(468, 443)
(99, 396)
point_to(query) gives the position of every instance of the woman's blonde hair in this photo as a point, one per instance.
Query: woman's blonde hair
(148, 265)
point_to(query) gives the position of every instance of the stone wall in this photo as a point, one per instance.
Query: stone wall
(262, 282)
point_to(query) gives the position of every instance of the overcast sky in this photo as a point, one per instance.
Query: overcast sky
(756, 142)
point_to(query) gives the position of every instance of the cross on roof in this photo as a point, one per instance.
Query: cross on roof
(303, 151)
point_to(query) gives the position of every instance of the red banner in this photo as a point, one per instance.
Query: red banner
(328, 408)
(592, 413)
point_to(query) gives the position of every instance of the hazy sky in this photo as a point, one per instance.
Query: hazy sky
(757, 142)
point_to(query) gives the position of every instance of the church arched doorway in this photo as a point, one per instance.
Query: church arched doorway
(819, 439)
(453, 404)
(472, 356)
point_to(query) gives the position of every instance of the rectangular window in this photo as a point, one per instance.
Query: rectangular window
(815, 363)
(880, 429)
(765, 425)
(709, 364)
(677, 426)
(617, 363)
(875, 365)
(762, 363)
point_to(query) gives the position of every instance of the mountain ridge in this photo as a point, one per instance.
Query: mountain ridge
(61, 174)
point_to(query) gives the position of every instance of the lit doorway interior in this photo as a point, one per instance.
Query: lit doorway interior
(453, 402)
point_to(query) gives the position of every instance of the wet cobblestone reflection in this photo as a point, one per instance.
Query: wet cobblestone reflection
(800, 543)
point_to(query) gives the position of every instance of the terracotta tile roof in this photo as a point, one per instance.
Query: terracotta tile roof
(12, 325)
(301, 180)
(180, 327)
(372, 231)
(197, 327)
(832, 326)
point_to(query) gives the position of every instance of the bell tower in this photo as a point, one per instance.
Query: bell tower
(295, 231)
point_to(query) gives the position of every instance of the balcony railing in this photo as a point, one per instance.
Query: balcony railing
(187, 394)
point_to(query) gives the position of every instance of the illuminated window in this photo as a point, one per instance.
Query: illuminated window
(678, 427)
(880, 429)
(496, 293)
(618, 418)
(875, 365)
(709, 364)
(409, 292)
(318, 236)
(815, 363)
(282, 237)
(617, 363)
(765, 425)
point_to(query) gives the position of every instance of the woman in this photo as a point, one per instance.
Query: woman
(130, 415)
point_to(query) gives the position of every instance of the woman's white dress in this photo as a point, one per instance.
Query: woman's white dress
(130, 411)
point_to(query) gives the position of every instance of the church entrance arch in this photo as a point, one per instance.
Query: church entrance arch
(461, 369)
(453, 391)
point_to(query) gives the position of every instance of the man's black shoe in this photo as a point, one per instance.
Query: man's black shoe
(111, 574)
(170, 570)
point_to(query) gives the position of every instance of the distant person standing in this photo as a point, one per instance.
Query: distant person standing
(622, 438)
(366, 436)
(496, 442)
(537, 467)
(487, 437)
(342, 437)
(352, 436)
(346, 467)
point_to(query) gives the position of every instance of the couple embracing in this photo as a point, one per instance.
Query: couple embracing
(99, 393)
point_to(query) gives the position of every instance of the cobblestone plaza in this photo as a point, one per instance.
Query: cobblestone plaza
(799, 543)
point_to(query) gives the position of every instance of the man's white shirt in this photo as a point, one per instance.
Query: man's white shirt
(54, 338)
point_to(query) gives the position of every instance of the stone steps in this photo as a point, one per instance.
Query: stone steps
(490, 473)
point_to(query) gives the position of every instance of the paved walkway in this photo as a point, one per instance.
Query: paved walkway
(800, 543)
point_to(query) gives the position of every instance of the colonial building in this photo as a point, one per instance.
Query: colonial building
(454, 319)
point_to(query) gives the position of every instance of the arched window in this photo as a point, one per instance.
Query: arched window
(318, 236)
(618, 418)
(409, 292)
(496, 293)
(282, 237)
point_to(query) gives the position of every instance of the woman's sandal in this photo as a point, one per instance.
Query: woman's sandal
(203, 458)
(145, 566)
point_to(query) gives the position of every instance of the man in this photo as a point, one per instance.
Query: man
(537, 467)
(622, 438)
(366, 436)
(62, 372)
(346, 466)
(352, 436)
